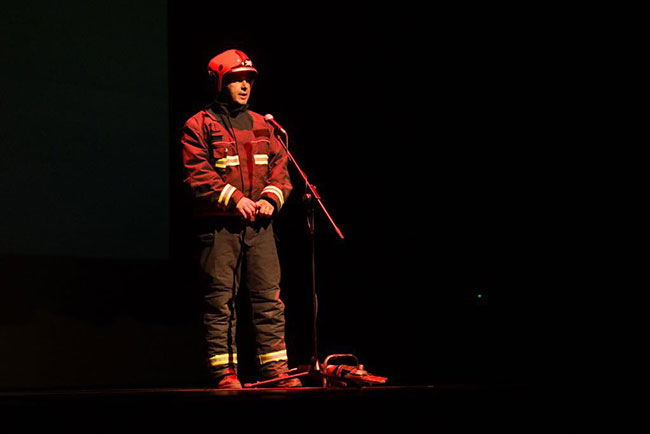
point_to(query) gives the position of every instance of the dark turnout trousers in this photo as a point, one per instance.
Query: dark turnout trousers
(232, 251)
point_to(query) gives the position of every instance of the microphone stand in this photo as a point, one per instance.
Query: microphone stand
(309, 199)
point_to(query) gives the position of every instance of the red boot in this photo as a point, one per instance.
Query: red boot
(279, 369)
(228, 379)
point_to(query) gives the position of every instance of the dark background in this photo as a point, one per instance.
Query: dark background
(424, 134)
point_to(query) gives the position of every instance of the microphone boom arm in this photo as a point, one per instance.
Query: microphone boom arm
(310, 188)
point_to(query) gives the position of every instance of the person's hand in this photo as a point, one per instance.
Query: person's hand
(265, 208)
(247, 208)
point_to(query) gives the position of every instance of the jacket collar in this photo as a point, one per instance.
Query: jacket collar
(221, 106)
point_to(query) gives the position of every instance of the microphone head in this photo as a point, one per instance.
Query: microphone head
(268, 117)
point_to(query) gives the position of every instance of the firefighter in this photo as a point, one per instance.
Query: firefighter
(237, 173)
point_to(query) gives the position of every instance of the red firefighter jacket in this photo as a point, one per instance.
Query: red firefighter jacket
(228, 156)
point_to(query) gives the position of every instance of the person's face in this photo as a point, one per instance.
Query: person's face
(239, 86)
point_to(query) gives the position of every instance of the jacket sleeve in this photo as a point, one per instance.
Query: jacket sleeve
(278, 185)
(204, 180)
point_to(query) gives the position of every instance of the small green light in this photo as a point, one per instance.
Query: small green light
(480, 295)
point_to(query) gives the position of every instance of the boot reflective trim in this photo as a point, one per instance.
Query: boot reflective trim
(273, 357)
(223, 359)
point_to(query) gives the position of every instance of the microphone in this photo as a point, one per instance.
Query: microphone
(269, 119)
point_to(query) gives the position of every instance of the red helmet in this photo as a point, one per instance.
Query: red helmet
(227, 62)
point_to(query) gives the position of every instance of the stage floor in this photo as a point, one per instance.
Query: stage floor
(276, 410)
